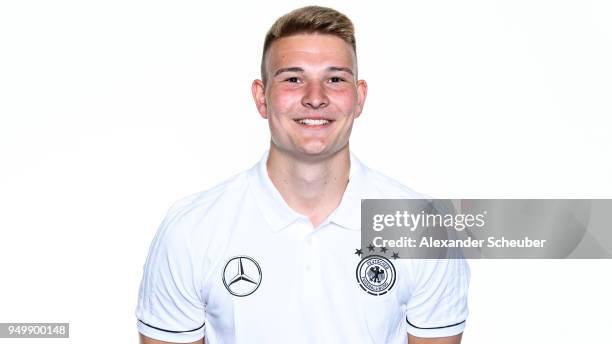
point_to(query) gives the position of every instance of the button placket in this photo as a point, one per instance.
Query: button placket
(309, 256)
(310, 264)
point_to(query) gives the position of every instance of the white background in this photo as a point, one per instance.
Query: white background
(111, 110)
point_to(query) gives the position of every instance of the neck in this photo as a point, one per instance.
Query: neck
(312, 187)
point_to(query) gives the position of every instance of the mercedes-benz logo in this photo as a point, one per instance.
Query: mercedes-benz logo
(241, 276)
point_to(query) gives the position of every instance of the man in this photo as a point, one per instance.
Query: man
(269, 256)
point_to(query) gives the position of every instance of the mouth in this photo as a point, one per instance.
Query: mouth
(313, 122)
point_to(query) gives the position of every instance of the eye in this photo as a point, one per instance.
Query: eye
(335, 79)
(293, 79)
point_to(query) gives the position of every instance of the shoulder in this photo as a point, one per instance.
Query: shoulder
(200, 201)
(186, 216)
(380, 185)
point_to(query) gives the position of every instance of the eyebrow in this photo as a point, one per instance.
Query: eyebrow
(290, 69)
(340, 69)
(301, 70)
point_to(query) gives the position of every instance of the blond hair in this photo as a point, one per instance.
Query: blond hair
(309, 19)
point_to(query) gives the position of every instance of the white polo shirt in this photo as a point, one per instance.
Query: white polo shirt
(237, 265)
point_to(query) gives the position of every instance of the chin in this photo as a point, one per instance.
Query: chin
(312, 152)
(314, 148)
(318, 151)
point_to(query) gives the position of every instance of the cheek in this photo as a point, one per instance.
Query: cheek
(283, 100)
(345, 100)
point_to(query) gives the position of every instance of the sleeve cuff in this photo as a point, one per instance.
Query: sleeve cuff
(169, 335)
(438, 331)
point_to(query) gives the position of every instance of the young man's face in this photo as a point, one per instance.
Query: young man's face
(311, 96)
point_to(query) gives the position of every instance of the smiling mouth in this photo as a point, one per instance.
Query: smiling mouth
(313, 122)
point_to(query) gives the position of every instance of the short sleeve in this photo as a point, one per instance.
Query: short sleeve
(438, 303)
(170, 307)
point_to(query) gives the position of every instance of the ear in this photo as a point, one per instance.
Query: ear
(362, 92)
(259, 96)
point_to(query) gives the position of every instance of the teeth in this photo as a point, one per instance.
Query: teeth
(308, 121)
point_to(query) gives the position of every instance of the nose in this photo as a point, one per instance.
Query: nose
(315, 96)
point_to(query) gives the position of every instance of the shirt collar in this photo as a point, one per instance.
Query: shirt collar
(278, 213)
